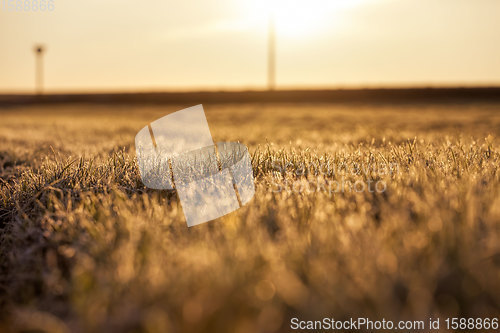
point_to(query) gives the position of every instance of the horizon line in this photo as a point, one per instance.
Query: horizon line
(252, 89)
(365, 95)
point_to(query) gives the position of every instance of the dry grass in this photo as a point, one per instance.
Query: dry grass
(84, 247)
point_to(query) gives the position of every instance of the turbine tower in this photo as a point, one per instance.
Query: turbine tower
(271, 56)
(39, 49)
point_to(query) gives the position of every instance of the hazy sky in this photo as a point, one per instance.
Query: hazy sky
(185, 44)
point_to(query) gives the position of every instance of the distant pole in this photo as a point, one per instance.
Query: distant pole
(39, 69)
(271, 56)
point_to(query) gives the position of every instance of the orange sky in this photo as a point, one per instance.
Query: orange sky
(116, 45)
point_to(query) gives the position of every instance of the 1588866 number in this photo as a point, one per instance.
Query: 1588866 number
(28, 5)
(471, 323)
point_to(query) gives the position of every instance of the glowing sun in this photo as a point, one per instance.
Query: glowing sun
(295, 18)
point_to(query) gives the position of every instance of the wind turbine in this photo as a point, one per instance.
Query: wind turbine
(39, 49)
(271, 56)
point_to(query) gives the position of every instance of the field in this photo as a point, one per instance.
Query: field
(85, 247)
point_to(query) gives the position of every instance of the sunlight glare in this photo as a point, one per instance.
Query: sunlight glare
(296, 18)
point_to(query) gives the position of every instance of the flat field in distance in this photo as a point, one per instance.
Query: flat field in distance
(378, 211)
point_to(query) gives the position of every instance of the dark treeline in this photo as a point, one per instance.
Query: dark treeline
(379, 95)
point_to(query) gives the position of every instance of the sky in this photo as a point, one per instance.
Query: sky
(154, 45)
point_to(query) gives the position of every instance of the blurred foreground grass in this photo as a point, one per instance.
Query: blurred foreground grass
(84, 247)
